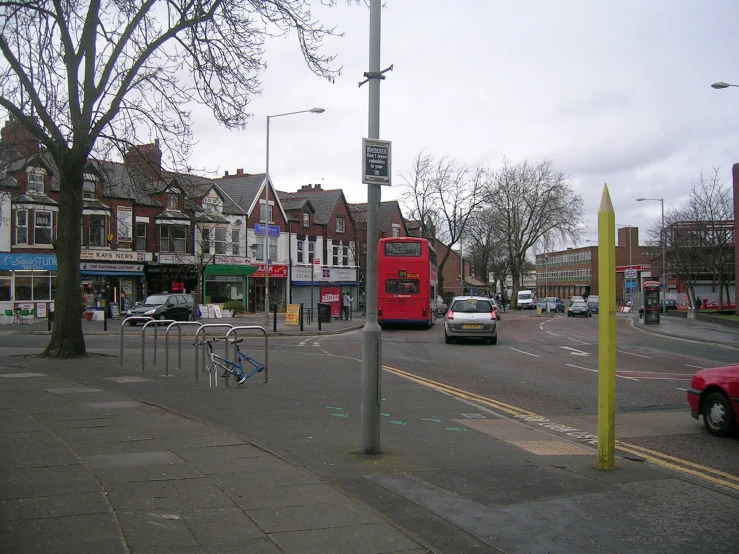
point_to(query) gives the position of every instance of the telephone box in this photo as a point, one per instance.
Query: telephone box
(651, 301)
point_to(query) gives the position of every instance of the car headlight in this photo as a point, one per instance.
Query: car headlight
(150, 312)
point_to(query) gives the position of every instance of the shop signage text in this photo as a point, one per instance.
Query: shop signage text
(93, 266)
(25, 262)
(115, 255)
(180, 259)
(231, 260)
(274, 271)
(326, 274)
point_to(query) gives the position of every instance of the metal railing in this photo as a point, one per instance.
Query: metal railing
(156, 324)
(179, 325)
(266, 344)
(123, 326)
(204, 329)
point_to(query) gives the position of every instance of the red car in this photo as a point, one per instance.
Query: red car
(714, 394)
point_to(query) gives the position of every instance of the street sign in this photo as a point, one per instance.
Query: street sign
(376, 161)
(316, 261)
(274, 230)
(630, 273)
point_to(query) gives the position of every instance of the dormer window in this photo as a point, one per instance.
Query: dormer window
(35, 180)
(89, 187)
(173, 200)
(306, 219)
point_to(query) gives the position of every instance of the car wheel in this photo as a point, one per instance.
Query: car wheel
(132, 323)
(718, 417)
(494, 340)
(569, 314)
(448, 339)
(590, 315)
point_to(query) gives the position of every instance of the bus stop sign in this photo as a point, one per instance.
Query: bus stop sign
(376, 161)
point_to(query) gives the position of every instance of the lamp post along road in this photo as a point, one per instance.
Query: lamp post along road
(266, 213)
(663, 239)
(629, 226)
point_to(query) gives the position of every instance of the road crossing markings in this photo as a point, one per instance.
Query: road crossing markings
(596, 371)
(575, 351)
(527, 353)
(695, 366)
(632, 354)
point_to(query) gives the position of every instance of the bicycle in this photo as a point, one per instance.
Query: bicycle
(234, 368)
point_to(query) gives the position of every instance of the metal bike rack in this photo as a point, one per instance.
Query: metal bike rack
(156, 323)
(179, 325)
(123, 326)
(204, 329)
(266, 344)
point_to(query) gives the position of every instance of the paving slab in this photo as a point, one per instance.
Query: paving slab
(373, 538)
(175, 495)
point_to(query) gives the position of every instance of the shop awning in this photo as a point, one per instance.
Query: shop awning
(242, 270)
(114, 273)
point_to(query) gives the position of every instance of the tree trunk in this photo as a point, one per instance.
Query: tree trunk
(515, 276)
(67, 339)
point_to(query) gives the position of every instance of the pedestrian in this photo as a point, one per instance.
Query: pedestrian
(347, 301)
(698, 302)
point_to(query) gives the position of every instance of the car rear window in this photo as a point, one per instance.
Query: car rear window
(472, 306)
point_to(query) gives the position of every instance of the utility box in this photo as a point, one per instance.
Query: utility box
(324, 313)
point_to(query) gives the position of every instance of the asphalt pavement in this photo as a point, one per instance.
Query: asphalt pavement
(101, 458)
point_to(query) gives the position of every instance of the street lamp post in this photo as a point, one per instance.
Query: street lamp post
(546, 281)
(266, 213)
(662, 237)
(629, 226)
(721, 84)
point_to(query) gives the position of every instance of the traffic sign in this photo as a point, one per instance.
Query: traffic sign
(273, 231)
(376, 161)
(630, 273)
(316, 261)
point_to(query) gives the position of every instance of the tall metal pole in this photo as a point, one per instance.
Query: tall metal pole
(664, 260)
(371, 335)
(266, 234)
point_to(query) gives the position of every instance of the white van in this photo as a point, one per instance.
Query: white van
(525, 300)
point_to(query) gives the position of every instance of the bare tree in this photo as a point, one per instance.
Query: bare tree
(487, 247)
(99, 73)
(533, 202)
(443, 197)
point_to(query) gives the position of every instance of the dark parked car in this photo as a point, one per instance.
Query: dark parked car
(594, 303)
(669, 304)
(163, 306)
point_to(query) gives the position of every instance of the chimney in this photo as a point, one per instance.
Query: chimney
(318, 186)
(226, 174)
(306, 187)
(147, 158)
(239, 172)
(16, 135)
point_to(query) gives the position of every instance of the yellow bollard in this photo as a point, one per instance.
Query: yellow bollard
(607, 332)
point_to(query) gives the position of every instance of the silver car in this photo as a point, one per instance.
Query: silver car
(473, 317)
(579, 308)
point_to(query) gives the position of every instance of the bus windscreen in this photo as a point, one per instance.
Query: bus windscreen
(404, 249)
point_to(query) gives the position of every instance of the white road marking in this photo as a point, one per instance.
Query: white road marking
(596, 371)
(684, 390)
(575, 351)
(580, 341)
(555, 334)
(696, 366)
(527, 353)
(632, 354)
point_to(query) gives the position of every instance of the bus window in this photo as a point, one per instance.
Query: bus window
(402, 286)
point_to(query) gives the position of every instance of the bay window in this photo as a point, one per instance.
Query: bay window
(221, 240)
(42, 228)
(96, 231)
(235, 242)
(21, 227)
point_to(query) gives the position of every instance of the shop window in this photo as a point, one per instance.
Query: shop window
(35, 180)
(235, 242)
(265, 212)
(205, 240)
(141, 237)
(173, 200)
(89, 187)
(306, 219)
(41, 286)
(300, 251)
(97, 231)
(42, 228)
(4, 286)
(311, 251)
(23, 286)
(221, 240)
(21, 227)
(340, 225)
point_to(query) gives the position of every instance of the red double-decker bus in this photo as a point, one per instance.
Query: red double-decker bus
(407, 282)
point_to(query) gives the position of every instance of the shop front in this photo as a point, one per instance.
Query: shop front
(172, 273)
(111, 283)
(226, 279)
(278, 275)
(306, 283)
(27, 282)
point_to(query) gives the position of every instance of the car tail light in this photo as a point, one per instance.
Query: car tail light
(379, 311)
(493, 315)
(450, 315)
(424, 312)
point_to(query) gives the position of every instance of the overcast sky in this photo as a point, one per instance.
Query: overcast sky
(616, 94)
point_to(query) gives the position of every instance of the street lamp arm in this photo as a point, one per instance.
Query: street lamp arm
(721, 84)
(312, 110)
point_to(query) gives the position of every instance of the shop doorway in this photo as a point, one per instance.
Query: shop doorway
(257, 301)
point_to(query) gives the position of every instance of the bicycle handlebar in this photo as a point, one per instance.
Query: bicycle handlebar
(209, 341)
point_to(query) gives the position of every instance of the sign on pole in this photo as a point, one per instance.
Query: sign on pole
(376, 161)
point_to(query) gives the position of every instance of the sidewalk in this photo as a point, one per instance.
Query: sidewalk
(690, 329)
(114, 326)
(97, 458)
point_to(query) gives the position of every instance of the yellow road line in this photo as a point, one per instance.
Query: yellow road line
(657, 458)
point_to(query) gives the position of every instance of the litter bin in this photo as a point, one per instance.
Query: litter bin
(324, 313)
